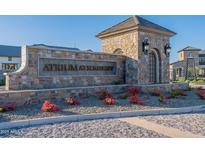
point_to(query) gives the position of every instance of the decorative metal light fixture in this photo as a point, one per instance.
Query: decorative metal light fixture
(145, 46)
(167, 49)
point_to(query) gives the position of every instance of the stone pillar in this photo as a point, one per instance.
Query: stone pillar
(131, 67)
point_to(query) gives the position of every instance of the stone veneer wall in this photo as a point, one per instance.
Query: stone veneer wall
(156, 42)
(127, 42)
(23, 97)
(131, 45)
(27, 76)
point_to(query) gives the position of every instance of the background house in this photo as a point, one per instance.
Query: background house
(190, 64)
(10, 59)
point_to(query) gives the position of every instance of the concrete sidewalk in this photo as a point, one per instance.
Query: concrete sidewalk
(161, 129)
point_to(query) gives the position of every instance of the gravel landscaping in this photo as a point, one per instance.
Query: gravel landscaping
(194, 123)
(94, 105)
(86, 129)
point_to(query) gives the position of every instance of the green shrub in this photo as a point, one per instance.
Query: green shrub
(198, 81)
(181, 79)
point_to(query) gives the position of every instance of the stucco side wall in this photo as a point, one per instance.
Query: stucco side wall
(179, 64)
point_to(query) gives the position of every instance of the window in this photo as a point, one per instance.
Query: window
(9, 58)
(202, 61)
(179, 72)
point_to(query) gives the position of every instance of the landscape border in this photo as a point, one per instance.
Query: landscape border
(108, 115)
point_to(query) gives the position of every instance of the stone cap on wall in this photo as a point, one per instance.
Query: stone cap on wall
(69, 50)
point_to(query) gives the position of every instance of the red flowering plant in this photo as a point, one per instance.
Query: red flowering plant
(49, 107)
(72, 101)
(109, 101)
(104, 94)
(133, 91)
(135, 100)
(7, 107)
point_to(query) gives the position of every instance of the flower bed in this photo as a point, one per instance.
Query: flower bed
(93, 104)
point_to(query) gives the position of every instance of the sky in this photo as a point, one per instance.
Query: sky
(80, 31)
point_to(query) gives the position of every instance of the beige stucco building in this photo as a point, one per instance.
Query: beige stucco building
(190, 64)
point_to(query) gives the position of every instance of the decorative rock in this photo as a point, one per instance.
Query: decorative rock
(95, 128)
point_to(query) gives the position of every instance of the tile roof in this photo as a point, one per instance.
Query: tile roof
(189, 48)
(7, 51)
(134, 21)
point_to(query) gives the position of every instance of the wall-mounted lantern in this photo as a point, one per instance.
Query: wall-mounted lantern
(145, 46)
(167, 49)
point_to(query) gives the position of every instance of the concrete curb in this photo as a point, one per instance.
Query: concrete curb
(76, 118)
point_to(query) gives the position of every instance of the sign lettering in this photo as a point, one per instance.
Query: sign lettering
(49, 67)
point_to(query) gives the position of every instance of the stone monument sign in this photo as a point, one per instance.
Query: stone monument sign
(63, 67)
(49, 67)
